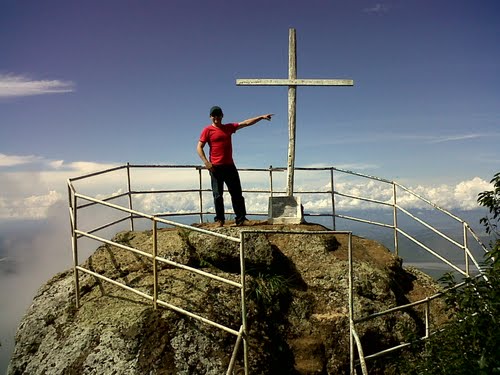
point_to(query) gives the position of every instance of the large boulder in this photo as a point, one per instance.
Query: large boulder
(298, 316)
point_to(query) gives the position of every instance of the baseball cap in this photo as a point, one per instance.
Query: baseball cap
(216, 111)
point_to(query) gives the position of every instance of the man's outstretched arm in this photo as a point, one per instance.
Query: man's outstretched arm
(254, 120)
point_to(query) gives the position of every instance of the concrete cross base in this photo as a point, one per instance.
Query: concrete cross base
(285, 210)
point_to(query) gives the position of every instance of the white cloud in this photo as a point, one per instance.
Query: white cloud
(17, 85)
(78, 167)
(31, 207)
(14, 160)
(461, 196)
(56, 164)
(30, 194)
(459, 137)
(83, 167)
(377, 8)
(466, 192)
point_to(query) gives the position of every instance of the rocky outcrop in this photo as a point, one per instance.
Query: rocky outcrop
(297, 288)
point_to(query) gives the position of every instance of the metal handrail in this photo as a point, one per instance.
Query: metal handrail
(155, 258)
(431, 227)
(132, 214)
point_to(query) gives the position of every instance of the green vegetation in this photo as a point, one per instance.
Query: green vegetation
(269, 289)
(469, 343)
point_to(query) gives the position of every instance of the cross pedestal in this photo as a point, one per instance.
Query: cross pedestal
(290, 203)
(285, 210)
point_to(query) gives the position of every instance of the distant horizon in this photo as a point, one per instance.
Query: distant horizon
(460, 196)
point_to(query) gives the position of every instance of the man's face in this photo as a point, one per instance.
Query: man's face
(216, 119)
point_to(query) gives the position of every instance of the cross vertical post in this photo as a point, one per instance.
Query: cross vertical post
(292, 117)
(292, 82)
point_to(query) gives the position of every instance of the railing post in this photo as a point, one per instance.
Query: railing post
(200, 193)
(332, 185)
(466, 246)
(427, 317)
(74, 243)
(243, 301)
(351, 306)
(271, 179)
(130, 197)
(155, 264)
(235, 352)
(395, 219)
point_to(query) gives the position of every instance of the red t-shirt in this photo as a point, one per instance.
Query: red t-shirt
(219, 141)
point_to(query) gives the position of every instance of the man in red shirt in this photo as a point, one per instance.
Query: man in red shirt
(221, 163)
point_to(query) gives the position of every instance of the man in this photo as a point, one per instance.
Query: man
(221, 164)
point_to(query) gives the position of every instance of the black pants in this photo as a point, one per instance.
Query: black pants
(227, 174)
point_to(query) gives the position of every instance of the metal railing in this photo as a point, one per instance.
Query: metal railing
(76, 234)
(79, 201)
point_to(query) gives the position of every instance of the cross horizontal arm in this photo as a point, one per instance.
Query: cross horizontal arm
(295, 82)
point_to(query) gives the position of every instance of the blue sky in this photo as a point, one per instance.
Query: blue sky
(136, 80)
(89, 84)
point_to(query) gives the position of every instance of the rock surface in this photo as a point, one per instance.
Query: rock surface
(297, 289)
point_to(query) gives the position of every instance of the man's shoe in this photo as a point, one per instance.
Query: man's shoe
(219, 224)
(243, 222)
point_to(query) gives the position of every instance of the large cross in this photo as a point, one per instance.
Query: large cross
(292, 82)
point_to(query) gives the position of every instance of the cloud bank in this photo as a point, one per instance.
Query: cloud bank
(31, 194)
(12, 86)
(15, 160)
